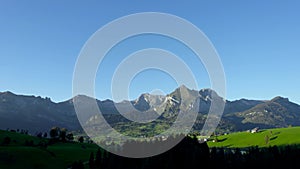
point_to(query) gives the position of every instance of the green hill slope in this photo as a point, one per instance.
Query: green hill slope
(263, 138)
(18, 156)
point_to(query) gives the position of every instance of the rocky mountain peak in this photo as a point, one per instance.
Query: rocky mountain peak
(280, 99)
(207, 94)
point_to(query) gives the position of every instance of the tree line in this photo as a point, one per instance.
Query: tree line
(190, 154)
(55, 135)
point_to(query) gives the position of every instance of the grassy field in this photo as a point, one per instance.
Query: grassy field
(263, 138)
(56, 156)
(60, 155)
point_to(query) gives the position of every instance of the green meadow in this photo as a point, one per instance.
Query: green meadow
(263, 138)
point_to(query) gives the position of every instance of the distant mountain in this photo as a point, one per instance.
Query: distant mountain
(147, 101)
(40, 114)
(278, 112)
(240, 105)
(34, 113)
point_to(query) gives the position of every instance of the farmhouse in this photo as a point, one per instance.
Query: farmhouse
(255, 130)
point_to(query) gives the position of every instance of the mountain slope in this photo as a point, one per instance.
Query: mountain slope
(278, 112)
(240, 105)
(40, 114)
(34, 113)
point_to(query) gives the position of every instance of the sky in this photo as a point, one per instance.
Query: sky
(257, 42)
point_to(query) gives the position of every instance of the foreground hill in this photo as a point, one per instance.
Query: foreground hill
(263, 138)
(16, 155)
(189, 153)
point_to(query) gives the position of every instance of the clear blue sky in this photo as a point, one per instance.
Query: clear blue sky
(258, 43)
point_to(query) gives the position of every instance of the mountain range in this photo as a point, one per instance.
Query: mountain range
(40, 114)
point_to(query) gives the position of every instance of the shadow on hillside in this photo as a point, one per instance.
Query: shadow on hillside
(273, 138)
(221, 140)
